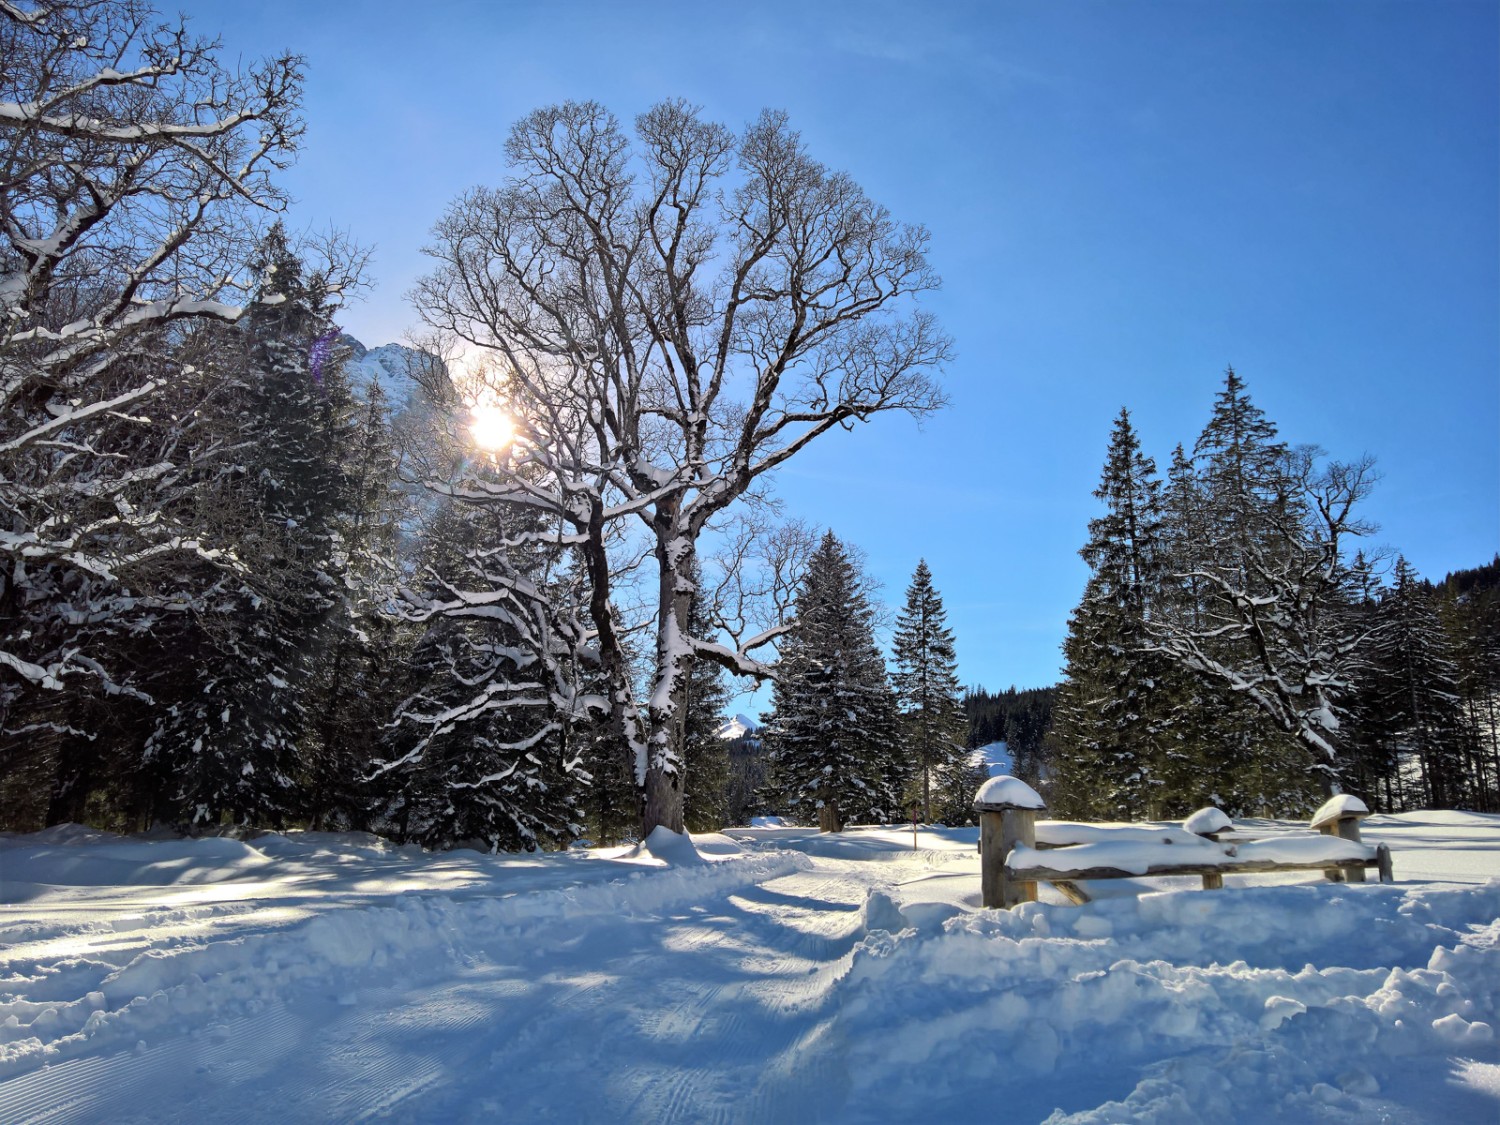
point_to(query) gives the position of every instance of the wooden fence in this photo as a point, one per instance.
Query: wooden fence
(1017, 851)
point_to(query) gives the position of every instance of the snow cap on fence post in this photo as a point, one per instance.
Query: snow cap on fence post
(1344, 806)
(1006, 792)
(1007, 816)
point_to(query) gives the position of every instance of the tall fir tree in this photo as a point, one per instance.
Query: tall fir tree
(831, 733)
(1115, 754)
(1469, 605)
(482, 751)
(1418, 691)
(231, 728)
(933, 723)
(1234, 543)
(356, 683)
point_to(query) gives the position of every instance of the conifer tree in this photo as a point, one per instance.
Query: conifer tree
(1469, 605)
(831, 731)
(230, 730)
(1112, 734)
(1418, 689)
(1260, 617)
(480, 752)
(356, 683)
(934, 726)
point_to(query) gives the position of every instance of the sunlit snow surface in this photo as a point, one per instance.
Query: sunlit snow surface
(768, 974)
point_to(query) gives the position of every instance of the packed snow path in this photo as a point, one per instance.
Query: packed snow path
(806, 979)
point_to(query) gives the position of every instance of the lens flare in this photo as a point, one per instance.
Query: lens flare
(490, 427)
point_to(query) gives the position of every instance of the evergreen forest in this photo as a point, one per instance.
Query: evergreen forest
(1241, 642)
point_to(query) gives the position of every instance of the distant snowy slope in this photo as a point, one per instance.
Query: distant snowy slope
(995, 757)
(410, 412)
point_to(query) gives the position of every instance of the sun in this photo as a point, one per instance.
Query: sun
(490, 427)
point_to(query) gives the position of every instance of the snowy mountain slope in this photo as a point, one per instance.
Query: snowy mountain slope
(778, 975)
(738, 727)
(391, 366)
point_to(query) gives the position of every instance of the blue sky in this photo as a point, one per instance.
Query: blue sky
(1123, 198)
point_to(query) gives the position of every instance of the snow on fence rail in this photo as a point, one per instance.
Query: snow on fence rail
(1017, 852)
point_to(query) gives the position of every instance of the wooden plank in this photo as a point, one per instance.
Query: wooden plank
(1233, 867)
(1213, 881)
(1072, 892)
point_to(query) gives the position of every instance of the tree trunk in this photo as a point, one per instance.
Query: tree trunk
(661, 804)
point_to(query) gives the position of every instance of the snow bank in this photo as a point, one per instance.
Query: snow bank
(88, 862)
(1286, 999)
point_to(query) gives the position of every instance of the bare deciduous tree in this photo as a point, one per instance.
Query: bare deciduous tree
(672, 317)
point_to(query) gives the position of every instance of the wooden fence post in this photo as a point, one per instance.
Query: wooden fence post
(1383, 858)
(1007, 809)
(1340, 816)
(1210, 823)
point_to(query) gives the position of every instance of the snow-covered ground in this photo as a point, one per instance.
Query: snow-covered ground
(772, 974)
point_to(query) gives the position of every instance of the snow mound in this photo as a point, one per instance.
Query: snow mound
(69, 856)
(675, 849)
(1066, 1011)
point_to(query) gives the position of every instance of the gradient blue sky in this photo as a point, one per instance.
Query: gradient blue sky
(1123, 198)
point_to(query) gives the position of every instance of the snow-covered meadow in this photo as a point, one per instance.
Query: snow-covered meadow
(769, 974)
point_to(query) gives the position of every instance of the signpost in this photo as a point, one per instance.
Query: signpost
(914, 811)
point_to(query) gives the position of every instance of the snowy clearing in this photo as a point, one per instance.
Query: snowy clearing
(769, 974)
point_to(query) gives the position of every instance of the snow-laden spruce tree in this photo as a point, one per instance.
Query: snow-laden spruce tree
(1415, 681)
(831, 736)
(477, 751)
(356, 683)
(1115, 756)
(934, 727)
(669, 316)
(233, 721)
(133, 168)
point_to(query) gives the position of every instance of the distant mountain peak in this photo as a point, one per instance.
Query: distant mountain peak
(738, 727)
